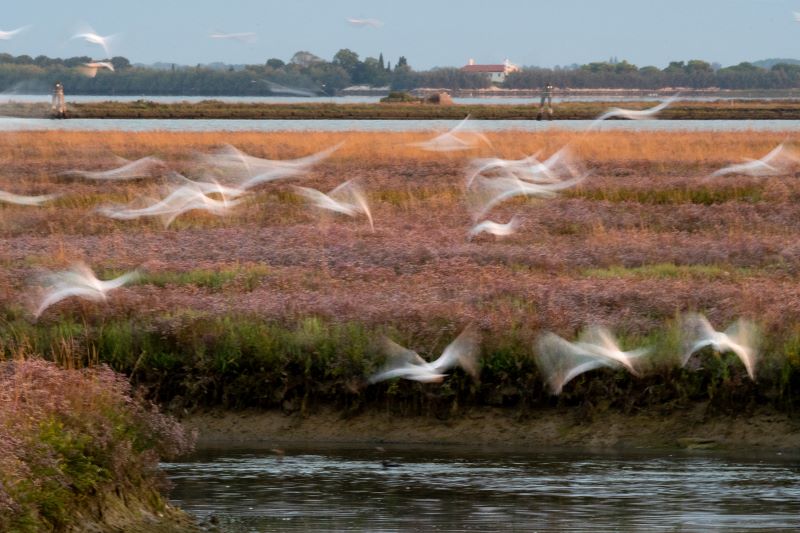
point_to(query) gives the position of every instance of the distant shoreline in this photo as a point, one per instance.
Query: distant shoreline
(585, 110)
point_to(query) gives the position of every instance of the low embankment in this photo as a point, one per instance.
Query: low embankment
(213, 109)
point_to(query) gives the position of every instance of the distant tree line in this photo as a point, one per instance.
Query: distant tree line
(695, 74)
(308, 74)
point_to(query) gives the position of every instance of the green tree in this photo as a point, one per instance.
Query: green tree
(275, 63)
(348, 60)
(120, 63)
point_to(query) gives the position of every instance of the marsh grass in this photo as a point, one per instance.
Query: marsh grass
(70, 437)
(278, 306)
(667, 271)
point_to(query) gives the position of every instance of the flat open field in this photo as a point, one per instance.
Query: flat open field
(276, 305)
(729, 109)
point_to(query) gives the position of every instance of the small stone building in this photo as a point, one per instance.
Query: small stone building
(496, 73)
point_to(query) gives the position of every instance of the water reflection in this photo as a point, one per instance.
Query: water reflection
(346, 489)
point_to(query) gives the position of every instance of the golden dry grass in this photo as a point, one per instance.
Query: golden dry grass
(618, 146)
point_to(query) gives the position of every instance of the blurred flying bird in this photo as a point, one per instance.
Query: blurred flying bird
(277, 88)
(773, 164)
(554, 169)
(246, 171)
(18, 199)
(141, 168)
(187, 197)
(347, 199)
(90, 69)
(561, 361)
(600, 341)
(487, 193)
(79, 281)
(91, 37)
(407, 364)
(456, 139)
(365, 23)
(740, 338)
(7, 35)
(634, 114)
(244, 37)
(796, 15)
(494, 228)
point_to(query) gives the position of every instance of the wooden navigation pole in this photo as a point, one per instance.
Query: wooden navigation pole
(59, 106)
(546, 105)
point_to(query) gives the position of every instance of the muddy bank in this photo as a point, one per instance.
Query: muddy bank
(764, 429)
(133, 513)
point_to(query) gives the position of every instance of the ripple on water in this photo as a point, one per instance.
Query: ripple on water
(432, 489)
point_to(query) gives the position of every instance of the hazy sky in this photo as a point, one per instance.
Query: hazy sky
(428, 32)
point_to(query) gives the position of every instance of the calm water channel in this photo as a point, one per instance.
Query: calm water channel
(458, 489)
(78, 124)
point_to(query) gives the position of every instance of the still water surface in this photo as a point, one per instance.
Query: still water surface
(80, 124)
(447, 489)
(484, 100)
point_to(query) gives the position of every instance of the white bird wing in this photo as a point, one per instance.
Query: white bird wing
(62, 293)
(697, 332)
(323, 201)
(350, 194)
(744, 339)
(463, 352)
(119, 281)
(495, 228)
(402, 363)
(754, 167)
(600, 341)
(634, 114)
(140, 168)
(407, 371)
(560, 361)
(400, 354)
(6, 35)
(18, 199)
(773, 154)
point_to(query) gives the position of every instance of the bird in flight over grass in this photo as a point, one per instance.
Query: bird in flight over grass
(246, 171)
(19, 199)
(633, 114)
(561, 361)
(556, 168)
(8, 35)
(244, 37)
(144, 167)
(486, 193)
(347, 199)
(365, 23)
(494, 228)
(740, 338)
(187, 197)
(458, 138)
(78, 281)
(407, 364)
(90, 36)
(775, 163)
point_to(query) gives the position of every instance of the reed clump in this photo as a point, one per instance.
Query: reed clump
(71, 439)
